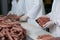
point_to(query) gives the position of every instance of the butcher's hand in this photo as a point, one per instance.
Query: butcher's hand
(24, 18)
(49, 24)
(10, 13)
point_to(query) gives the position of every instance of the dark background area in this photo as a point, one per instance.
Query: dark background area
(48, 5)
(0, 8)
(5, 6)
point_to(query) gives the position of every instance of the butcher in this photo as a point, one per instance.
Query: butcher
(28, 8)
(53, 19)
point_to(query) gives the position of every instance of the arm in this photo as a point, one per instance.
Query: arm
(32, 8)
(45, 22)
(34, 11)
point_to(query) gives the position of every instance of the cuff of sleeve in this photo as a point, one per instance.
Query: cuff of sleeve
(30, 16)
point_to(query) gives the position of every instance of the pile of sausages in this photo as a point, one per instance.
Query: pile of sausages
(42, 20)
(13, 17)
(11, 29)
(47, 37)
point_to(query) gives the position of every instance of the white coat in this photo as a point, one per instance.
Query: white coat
(31, 8)
(55, 16)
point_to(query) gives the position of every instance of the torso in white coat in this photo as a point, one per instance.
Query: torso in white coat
(55, 16)
(32, 8)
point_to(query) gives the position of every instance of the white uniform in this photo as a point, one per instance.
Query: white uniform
(55, 13)
(55, 16)
(31, 8)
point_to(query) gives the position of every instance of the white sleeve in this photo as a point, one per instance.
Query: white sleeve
(41, 11)
(35, 9)
(17, 7)
(14, 4)
(49, 24)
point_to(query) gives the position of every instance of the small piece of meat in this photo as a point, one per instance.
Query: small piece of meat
(42, 20)
(45, 37)
(57, 38)
(8, 34)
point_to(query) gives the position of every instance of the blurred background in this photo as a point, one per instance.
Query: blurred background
(5, 6)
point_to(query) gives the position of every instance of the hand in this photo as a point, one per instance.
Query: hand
(43, 20)
(24, 18)
(9, 13)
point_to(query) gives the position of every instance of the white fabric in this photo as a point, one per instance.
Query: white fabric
(55, 16)
(24, 18)
(33, 22)
(31, 8)
(55, 13)
(17, 7)
(34, 31)
(49, 24)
